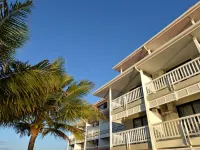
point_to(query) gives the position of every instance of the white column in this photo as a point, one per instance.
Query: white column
(192, 21)
(121, 70)
(85, 140)
(150, 116)
(110, 117)
(148, 50)
(196, 43)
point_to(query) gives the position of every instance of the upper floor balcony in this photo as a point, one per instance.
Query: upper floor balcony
(92, 133)
(173, 69)
(137, 138)
(128, 104)
(179, 132)
(176, 84)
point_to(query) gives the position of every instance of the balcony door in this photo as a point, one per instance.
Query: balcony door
(188, 109)
(140, 122)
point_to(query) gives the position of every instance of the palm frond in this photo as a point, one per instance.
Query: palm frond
(77, 90)
(24, 88)
(56, 133)
(22, 128)
(13, 26)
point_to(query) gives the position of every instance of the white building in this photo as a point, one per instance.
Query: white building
(156, 96)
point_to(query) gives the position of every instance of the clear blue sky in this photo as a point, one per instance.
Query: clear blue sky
(92, 36)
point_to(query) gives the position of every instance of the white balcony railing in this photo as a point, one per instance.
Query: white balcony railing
(92, 133)
(132, 136)
(179, 74)
(183, 127)
(127, 98)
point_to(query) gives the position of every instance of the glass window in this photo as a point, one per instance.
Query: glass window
(196, 106)
(139, 122)
(144, 121)
(185, 110)
(189, 108)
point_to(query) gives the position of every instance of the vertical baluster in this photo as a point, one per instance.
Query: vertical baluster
(140, 133)
(136, 94)
(193, 68)
(176, 127)
(159, 131)
(189, 125)
(173, 129)
(155, 84)
(168, 128)
(165, 130)
(198, 123)
(192, 120)
(138, 138)
(196, 66)
(183, 72)
(131, 96)
(178, 74)
(133, 132)
(131, 136)
(159, 83)
(143, 134)
(189, 70)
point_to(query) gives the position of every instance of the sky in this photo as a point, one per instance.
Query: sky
(92, 36)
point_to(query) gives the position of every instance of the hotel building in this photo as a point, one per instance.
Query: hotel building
(154, 102)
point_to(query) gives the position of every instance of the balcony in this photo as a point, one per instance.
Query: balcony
(92, 134)
(178, 83)
(127, 98)
(131, 138)
(180, 132)
(128, 104)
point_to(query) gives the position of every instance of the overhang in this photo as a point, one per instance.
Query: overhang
(173, 52)
(120, 84)
(177, 26)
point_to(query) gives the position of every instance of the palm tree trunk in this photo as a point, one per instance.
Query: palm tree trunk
(32, 142)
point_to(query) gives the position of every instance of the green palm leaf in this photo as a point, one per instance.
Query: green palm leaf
(13, 26)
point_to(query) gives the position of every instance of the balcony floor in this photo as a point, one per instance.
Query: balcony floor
(141, 146)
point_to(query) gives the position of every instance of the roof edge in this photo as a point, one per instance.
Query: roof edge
(185, 14)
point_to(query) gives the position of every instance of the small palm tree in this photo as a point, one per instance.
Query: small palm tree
(23, 87)
(62, 109)
(13, 26)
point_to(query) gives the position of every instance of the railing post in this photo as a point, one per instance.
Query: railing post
(196, 43)
(145, 80)
(85, 140)
(110, 117)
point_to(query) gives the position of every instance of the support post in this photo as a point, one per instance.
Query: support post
(110, 117)
(192, 21)
(148, 50)
(85, 139)
(150, 115)
(121, 70)
(196, 43)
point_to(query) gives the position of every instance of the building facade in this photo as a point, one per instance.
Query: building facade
(155, 99)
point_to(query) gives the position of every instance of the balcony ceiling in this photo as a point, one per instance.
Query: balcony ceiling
(174, 54)
(120, 84)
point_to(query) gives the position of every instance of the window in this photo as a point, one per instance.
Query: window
(189, 108)
(103, 106)
(139, 122)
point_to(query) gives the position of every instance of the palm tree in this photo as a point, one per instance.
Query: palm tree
(13, 26)
(63, 108)
(23, 87)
